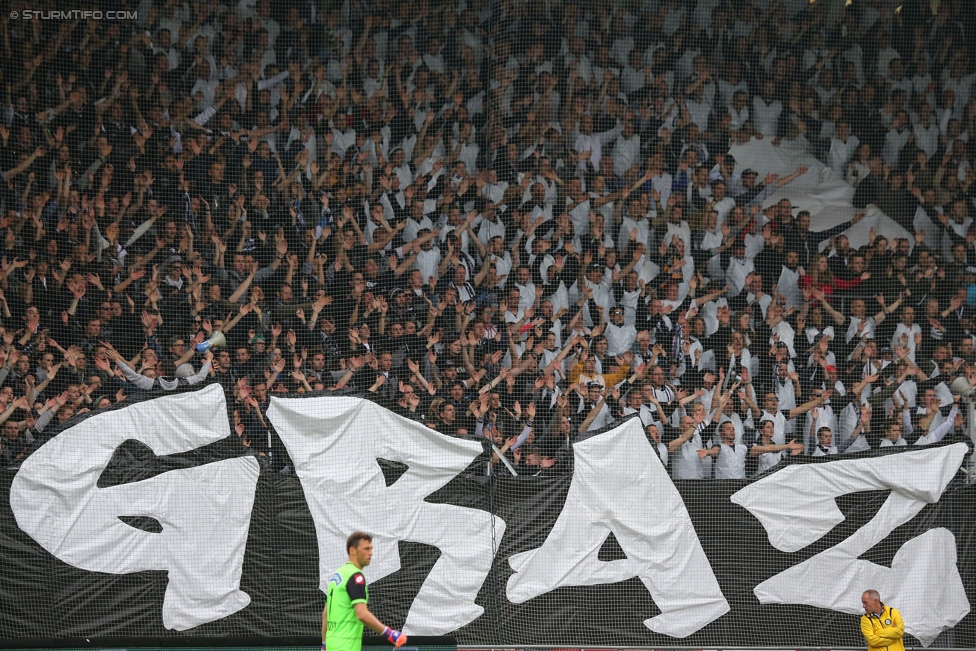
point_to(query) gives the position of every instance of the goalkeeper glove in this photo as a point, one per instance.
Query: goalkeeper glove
(396, 638)
(323, 646)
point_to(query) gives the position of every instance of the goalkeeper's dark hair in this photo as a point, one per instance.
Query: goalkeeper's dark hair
(356, 537)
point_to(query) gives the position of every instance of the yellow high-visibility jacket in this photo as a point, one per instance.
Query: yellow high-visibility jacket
(884, 632)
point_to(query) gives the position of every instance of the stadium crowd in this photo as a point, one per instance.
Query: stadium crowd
(517, 221)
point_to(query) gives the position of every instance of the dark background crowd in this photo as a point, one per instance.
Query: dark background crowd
(516, 221)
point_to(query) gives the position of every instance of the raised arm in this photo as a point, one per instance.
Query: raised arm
(794, 448)
(689, 433)
(807, 406)
(590, 417)
(834, 314)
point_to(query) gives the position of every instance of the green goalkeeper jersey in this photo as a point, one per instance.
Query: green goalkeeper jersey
(347, 587)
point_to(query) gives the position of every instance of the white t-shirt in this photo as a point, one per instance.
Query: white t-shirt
(731, 461)
(619, 338)
(767, 460)
(886, 443)
(687, 464)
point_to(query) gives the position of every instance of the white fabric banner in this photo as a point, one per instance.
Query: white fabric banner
(820, 191)
(204, 511)
(797, 507)
(620, 486)
(334, 443)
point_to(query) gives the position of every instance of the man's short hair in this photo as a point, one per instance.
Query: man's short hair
(356, 537)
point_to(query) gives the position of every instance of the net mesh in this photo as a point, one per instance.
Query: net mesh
(532, 291)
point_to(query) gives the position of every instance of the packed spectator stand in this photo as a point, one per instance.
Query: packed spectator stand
(516, 221)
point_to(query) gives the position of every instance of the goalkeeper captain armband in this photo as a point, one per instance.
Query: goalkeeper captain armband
(396, 638)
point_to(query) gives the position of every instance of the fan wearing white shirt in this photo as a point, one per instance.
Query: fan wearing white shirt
(722, 202)
(825, 443)
(688, 463)
(494, 189)
(514, 312)
(779, 417)
(634, 224)
(465, 149)
(594, 406)
(601, 199)
(710, 244)
(500, 261)
(893, 436)
(584, 140)
(843, 146)
(428, 256)
(926, 130)
(620, 336)
(766, 110)
(730, 455)
(457, 224)
(627, 295)
(491, 227)
(528, 297)
(546, 179)
(416, 222)
(663, 450)
(732, 83)
(698, 103)
(788, 283)
(755, 294)
(859, 316)
(739, 268)
(626, 148)
(672, 224)
(633, 78)
(769, 452)
(953, 419)
(738, 111)
(595, 290)
(907, 332)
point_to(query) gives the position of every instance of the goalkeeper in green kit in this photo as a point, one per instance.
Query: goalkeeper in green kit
(345, 610)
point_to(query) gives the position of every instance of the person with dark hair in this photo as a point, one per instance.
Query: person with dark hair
(346, 609)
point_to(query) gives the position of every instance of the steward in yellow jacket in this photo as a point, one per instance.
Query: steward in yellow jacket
(881, 625)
